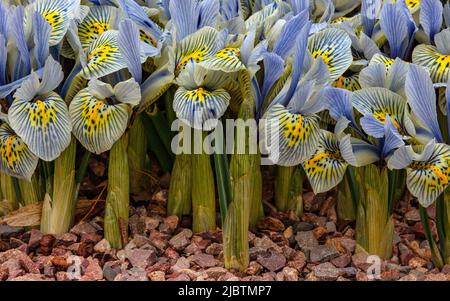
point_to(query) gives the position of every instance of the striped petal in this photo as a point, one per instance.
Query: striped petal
(374, 104)
(427, 179)
(103, 56)
(422, 99)
(15, 157)
(326, 167)
(226, 60)
(382, 59)
(350, 83)
(98, 20)
(96, 123)
(195, 47)
(287, 137)
(334, 46)
(199, 105)
(437, 63)
(58, 14)
(43, 123)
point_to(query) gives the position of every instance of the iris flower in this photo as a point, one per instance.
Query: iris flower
(427, 166)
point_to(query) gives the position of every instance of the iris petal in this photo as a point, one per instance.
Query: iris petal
(43, 124)
(97, 124)
(326, 167)
(333, 45)
(288, 137)
(15, 157)
(437, 63)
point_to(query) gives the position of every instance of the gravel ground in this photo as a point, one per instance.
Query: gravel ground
(282, 248)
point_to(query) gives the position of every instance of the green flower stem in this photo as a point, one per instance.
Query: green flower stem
(59, 208)
(29, 191)
(289, 189)
(256, 207)
(118, 198)
(435, 253)
(346, 209)
(282, 185)
(137, 153)
(443, 224)
(203, 191)
(374, 223)
(9, 201)
(180, 189)
(295, 196)
(235, 228)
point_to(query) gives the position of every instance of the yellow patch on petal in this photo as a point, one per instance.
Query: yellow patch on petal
(41, 114)
(294, 129)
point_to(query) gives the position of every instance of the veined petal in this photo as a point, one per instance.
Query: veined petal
(289, 138)
(339, 103)
(358, 152)
(199, 105)
(377, 102)
(291, 29)
(422, 99)
(431, 17)
(130, 47)
(226, 60)
(184, 14)
(43, 124)
(15, 157)
(334, 46)
(97, 124)
(52, 75)
(103, 56)
(392, 138)
(326, 167)
(155, 86)
(273, 70)
(437, 63)
(350, 83)
(58, 14)
(379, 58)
(427, 179)
(98, 20)
(442, 41)
(42, 31)
(373, 75)
(128, 92)
(136, 13)
(195, 48)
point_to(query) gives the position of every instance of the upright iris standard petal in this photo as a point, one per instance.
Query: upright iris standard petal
(289, 137)
(98, 20)
(103, 56)
(43, 123)
(326, 167)
(431, 17)
(422, 99)
(58, 14)
(437, 63)
(199, 105)
(97, 123)
(42, 31)
(374, 104)
(15, 157)
(334, 46)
